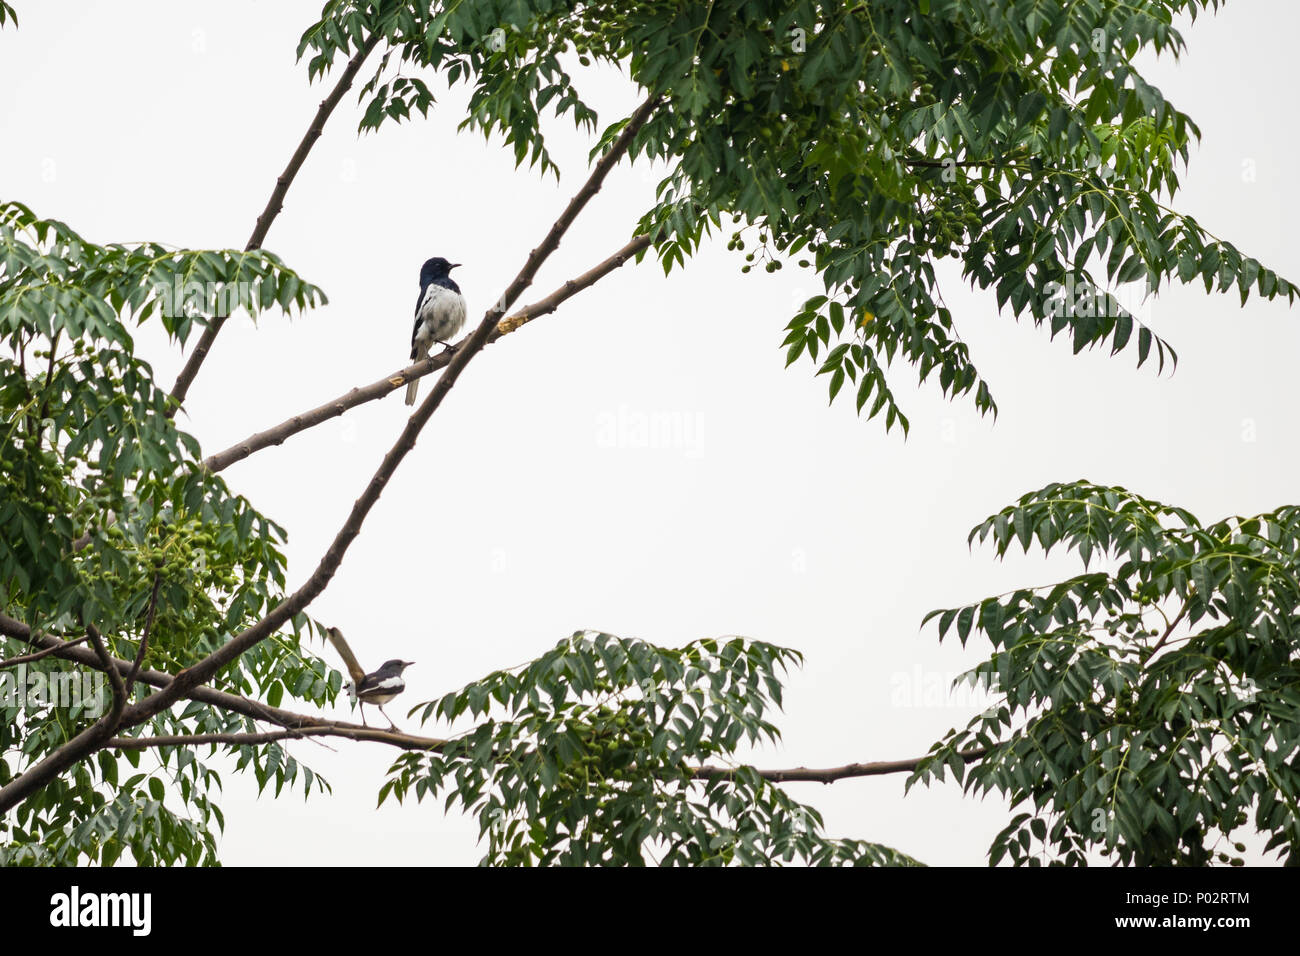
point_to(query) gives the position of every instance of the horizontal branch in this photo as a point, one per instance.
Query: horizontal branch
(398, 379)
(634, 248)
(305, 725)
(973, 163)
(325, 728)
(877, 768)
(405, 741)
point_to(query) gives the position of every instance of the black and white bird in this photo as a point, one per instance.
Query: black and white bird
(376, 688)
(439, 313)
(381, 686)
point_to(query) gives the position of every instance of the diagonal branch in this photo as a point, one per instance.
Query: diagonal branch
(464, 352)
(396, 380)
(273, 207)
(576, 204)
(114, 678)
(1178, 619)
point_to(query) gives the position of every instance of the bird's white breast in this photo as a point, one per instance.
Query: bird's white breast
(441, 315)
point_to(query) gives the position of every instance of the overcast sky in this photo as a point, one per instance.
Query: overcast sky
(535, 504)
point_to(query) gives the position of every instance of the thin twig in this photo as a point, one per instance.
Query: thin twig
(28, 658)
(1178, 619)
(144, 637)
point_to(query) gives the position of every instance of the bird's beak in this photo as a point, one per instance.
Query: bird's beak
(454, 265)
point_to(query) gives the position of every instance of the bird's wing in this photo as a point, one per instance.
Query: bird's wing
(415, 329)
(374, 684)
(345, 652)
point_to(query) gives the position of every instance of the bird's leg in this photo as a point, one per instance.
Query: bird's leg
(391, 726)
(362, 708)
(448, 347)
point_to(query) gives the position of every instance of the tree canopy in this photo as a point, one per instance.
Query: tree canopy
(1150, 702)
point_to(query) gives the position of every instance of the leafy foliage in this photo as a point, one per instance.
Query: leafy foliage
(1151, 707)
(101, 497)
(594, 761)
(507, 50)
(870, 139)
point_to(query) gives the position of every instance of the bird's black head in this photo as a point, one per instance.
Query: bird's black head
(395, 666)
(435, 269)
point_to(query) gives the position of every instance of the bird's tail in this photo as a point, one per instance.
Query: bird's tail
(421, 353)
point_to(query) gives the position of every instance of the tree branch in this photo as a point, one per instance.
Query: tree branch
(1178, 619)
(28, 658)
(831, 774)
(396, 380)
(405, 741)
(572, 287)
(114, 677)
(576, 204)
(325, 728)
(273, 207)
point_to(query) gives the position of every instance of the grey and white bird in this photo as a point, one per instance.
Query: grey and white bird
(439, 313)
(376, 688)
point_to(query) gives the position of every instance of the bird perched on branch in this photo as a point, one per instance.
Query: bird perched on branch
(377, 687)
(439, 313)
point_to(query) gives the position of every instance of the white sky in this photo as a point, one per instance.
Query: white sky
(527, 511)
